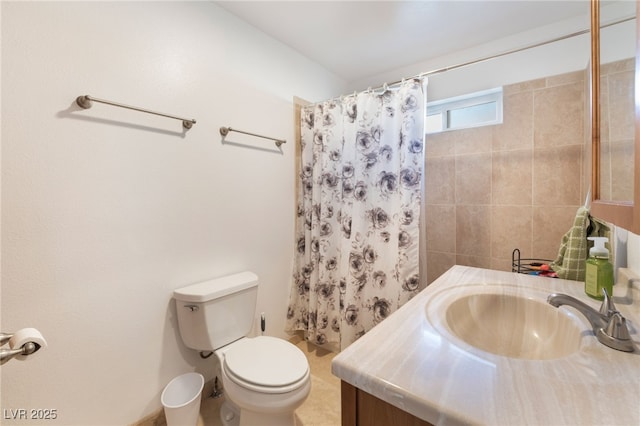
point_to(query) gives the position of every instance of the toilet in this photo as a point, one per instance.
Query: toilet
(264, 378)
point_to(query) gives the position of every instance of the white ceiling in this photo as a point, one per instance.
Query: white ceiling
(358, 39)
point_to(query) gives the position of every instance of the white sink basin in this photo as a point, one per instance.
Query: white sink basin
(503, 321)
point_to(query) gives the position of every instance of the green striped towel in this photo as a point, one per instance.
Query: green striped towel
(574, 247)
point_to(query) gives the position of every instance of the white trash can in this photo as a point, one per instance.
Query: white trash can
(181, 399)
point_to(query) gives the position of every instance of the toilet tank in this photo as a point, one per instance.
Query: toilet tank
(214, 313)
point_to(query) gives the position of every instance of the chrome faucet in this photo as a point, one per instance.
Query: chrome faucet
(609, 326)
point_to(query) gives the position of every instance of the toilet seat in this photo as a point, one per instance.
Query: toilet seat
(266, 364)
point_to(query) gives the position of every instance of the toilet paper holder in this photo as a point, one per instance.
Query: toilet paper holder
(27, 348)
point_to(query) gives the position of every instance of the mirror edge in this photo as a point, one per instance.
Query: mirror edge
(623, 214)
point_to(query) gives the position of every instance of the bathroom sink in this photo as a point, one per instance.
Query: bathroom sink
(505, 322)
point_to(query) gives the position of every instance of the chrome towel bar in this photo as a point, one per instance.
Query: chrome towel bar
(224, 131)
(84, 101)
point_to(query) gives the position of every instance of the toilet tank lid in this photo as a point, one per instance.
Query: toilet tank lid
(216, 288)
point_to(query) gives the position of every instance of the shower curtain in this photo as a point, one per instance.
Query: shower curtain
(357, 226)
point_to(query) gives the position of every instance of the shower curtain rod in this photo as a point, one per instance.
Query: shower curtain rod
(498, 55)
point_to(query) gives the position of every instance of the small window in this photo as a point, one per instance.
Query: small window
(472, 110)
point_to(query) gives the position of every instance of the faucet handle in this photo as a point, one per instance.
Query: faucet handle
(616, 335)
(617, 327)
(607, 308)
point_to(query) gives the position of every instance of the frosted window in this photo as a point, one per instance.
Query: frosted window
(472, 110)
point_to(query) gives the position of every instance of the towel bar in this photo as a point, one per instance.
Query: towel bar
(85, 102)
(224, 131)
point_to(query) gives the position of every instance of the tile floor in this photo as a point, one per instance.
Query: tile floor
(322, 407)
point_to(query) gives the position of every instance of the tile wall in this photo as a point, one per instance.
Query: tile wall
(617, 129)
(492, 189)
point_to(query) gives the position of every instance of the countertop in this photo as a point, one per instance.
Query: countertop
(406, 361)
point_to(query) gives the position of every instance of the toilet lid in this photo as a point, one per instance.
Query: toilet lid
(266, 361)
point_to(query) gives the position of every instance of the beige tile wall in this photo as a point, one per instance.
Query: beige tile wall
(617, 127)
(515, 185)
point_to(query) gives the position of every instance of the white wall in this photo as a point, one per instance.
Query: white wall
(105, 211)
(628, 247)
(560, 57)
(553, 59)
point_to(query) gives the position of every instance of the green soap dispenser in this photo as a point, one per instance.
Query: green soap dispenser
(599, 271)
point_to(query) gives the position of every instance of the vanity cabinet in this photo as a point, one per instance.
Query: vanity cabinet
(360, 408)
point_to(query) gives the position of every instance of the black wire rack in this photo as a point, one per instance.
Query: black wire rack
(530, 266)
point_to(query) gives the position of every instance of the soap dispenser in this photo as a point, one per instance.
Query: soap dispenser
(599, 271)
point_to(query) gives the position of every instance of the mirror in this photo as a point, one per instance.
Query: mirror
(615, 150)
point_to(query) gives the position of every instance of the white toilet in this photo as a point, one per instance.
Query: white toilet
(266, 378)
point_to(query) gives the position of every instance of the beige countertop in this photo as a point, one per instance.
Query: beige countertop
(408, 362)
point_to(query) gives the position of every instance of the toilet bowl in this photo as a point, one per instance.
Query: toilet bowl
(264, 378)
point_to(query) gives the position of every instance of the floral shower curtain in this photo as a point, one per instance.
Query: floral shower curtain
(357, 229)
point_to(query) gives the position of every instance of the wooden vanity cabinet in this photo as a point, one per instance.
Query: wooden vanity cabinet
(360, 408)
